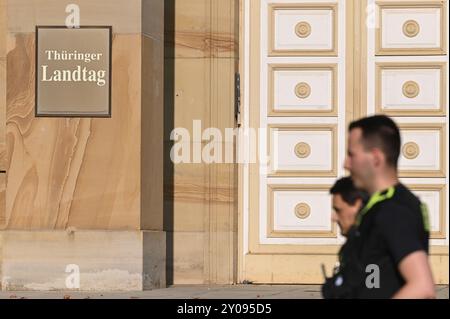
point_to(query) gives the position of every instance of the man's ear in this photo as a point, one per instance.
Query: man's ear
(359, 203)
(378, 157)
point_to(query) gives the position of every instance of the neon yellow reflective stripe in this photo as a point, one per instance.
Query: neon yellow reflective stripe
(425, 216)
(375, 199)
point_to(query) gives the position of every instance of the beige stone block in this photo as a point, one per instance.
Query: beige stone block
(191, 94)
(223, 223)
(3, 29)
(211, 151)
(186, 190)
(105, 261)
(82, 173)
(189, 216)
(114, 164)
(193, 15)
(187, 197)
(225, 28)
(202, 28)
(188, 22)
(2, 203)
(186, 260)
(3, 163)
(223, 188)
(123, 16)
(203, 90)
(222, 259)
(222, 93)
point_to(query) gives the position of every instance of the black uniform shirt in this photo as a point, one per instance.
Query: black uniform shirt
(392, 227)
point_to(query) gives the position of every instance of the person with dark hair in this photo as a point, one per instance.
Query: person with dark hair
(390, 252)
(347, 201)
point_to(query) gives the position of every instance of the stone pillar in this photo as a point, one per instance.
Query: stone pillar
(83, 193)
(201, 59)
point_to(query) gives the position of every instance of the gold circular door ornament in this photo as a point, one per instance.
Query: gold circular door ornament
(411, 89)
(411, 28)
(410, 150)
(303, 29)
(302, 210)
(302, 150)
(302, 90)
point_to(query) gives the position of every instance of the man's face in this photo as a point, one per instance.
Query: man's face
(344, 214)
(358, 161)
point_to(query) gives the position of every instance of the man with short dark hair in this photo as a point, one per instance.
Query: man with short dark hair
(347, 202)
(393, 227)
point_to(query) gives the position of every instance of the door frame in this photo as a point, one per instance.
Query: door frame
(249, 20)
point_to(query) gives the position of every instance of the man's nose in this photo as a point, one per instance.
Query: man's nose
(334, 217)
(347, 163)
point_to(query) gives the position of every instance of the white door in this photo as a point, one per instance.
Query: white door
(308, 69)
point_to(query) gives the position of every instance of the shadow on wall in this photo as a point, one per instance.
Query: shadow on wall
(169, 123)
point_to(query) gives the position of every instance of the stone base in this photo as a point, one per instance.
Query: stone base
(105, 260)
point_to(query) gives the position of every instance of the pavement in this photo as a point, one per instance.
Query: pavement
(194, 292)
